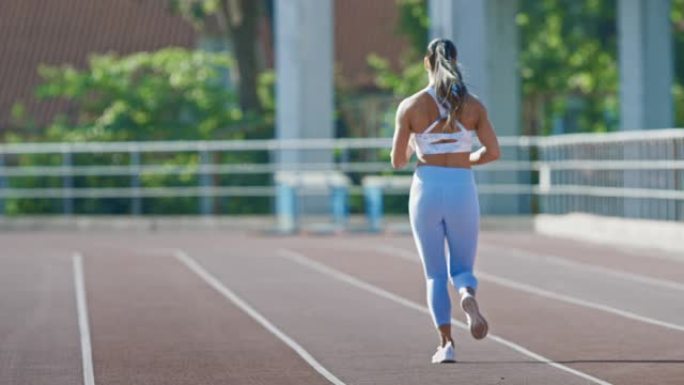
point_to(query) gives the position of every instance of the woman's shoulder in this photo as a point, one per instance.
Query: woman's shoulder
(415, 101)
(473, 102)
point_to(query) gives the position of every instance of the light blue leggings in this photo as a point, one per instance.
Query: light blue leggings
(443, 206)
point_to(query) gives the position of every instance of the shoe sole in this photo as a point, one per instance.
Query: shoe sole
(445, 362)
(449, 359)
(478, 324)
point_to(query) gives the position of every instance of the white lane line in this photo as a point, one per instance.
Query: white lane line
(404, 254)
(399, 252)
(217, 285)
(314, 265)
(564, 262)
(576, 301)
(83, 324)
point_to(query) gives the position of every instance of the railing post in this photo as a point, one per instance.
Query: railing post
(632, 206)
(3, 185)
(372, 193)
(286, 206)
(678, 152)
(545, 178)
(525, 152)
(206, 183)
(67, 182)
(344, 157)
(136, 199)
(340, 209)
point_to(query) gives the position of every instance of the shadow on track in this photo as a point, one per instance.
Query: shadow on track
(569, 362)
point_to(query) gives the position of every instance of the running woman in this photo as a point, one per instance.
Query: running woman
(438, 123)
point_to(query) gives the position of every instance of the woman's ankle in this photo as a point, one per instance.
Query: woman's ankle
(466, 290)
(446, 341)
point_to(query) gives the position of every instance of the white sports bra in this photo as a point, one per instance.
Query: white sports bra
(429, 143)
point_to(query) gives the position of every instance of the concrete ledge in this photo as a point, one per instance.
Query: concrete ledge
(507, 223)
(392, 224)
(667, 236)
(489, 223)
(125, 223)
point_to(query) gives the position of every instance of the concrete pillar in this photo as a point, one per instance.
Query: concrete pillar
(646, 64)
(304, 68)
(646, 78)
(304, 86)
(441, 14)
(486, 36)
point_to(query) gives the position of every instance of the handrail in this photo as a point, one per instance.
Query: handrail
(561, 172)
(317, 144)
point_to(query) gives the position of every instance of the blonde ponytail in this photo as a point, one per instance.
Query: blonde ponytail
(448, 80)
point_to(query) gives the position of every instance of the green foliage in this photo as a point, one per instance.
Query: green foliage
(165, 95)
(678, 95)
(414, 25)
(569, 55)
(411, 78)
(236, 21)
(677, 17)
(196, 11)
(414, 22)
(569, 46)
(20, 117)
(568, 61)
(266, 91)
(678, 37)
(171, 94)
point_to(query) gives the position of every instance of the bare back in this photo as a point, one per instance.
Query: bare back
(418, 111)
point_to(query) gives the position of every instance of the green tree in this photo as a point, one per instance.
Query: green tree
(568, 54)
(237, 21)
(678, 31)
(413, 23)
(165, 95)
(171, 94)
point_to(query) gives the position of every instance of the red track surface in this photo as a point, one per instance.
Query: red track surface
(353, 305)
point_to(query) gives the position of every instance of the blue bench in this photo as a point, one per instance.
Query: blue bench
(374, 188)
(291, 184)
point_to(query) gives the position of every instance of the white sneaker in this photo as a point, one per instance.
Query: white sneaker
(444, 354)
(476, 322)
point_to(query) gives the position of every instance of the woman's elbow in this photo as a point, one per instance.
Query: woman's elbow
(397, 163)
(494, 153)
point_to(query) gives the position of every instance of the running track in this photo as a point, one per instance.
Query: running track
(244, 308)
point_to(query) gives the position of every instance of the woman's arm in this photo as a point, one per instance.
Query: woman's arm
(490, 144)
(401, 150)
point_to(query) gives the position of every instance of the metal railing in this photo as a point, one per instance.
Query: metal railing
(636, 174)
